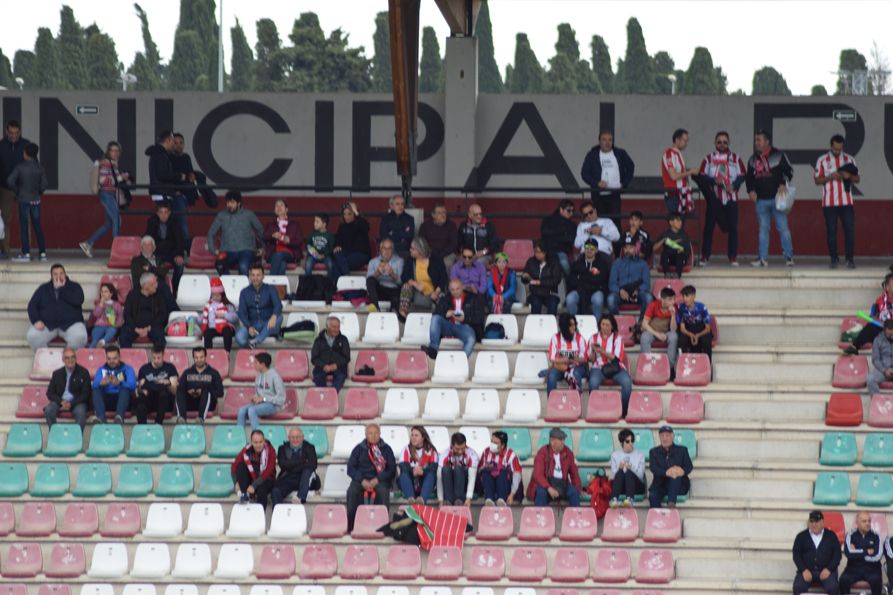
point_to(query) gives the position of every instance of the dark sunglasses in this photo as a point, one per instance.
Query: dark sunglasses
(586, 213)
(464, 257)
(628, 441)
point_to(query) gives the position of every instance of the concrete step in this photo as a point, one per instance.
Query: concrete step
(776, 567)
(801, 451)
(730, 528)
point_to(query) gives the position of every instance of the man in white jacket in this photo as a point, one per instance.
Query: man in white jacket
(603, 230)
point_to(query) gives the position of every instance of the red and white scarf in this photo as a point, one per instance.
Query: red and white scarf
(246, 458)
(377, 458)
(458, 306)
(499, 285)
(282, 224)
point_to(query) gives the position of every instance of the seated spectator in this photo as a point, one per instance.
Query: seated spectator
(297, 468)
(459, 314)
(383, 277)
(661, 323)
(542, 275)
(199, 388)
(320, 246)
(600, 229)
(254, 470)
(674, 247)
(589, 279)
(558, 232)
(269, 393)
(29, 181)
(630, 281)
(863, 549)
(501, 285)
(670, 469)
(817, 555)
(398, 226)
(108, 316)
(881, 359)
(113, 386)
(478, 234)
(156, 388)
(881, 311)
(568, 355)
(693, 319)
(424, 279)
(441, 234)
(371, 468)
(555, 475)
(627, 470)
(147, 262)
(472, 273)
(283, 240)
(418, 467)
(145, 313)
(457, 470)
(500, 471)
(55, 311)
(240, 236)
(69, 390)
(181, 163)
(638, 234)
(330, 355)
(170, 245)
(219, 317)
(351, 241)
(606, 353)
(260, 310)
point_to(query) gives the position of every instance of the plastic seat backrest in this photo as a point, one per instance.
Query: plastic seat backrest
(663, 525)
(495, 523)
(578, 524)
(537, 523)
(320, 403)
(329, 521)
(80, 519)
(563, 405)
(604, 406)
(38, 520)
(367, 521)
(360, 403)
(620, 525)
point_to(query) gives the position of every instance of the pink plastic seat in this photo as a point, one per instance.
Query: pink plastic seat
(135, 357)
(611, 566)
(686, 407)
(290, 408)
(234, 398)
(360, 562)
(329, 521)
(410, 367)
(878, 524)
(662, 525)
(375, 359)
(562, 592)
(846, 324)
(7, 519)
(292, 364)
(645, 407)
(219, 360)
(528, 564)
(320, 403)
(360, 402)
(81, 519)
(850, 371)
(14, 589)
(537, 523)
(48, 589)
(23, 560)
(277, 562)
(67, 560)
(31, 402)
(693, 369)
(714, 330)
(444, 563)
(178, 357)
(319, 561)
(199, 257)
(121, 520)
(655, 567)
(880, 411)
(495, 523)
(243, 367)
(519, 252)
(460, 510)
(675, 284)
(485, 563)
(604, 407)
(578, 524)
(570, 565)
(46, 361)
(563, 406)
(621, 525)
(605, 592)
(625, 325)
(92, 358)
(124, 248)
(404, 562)
(652, 369)
(38, 520)
(367, 521)
(654, 592)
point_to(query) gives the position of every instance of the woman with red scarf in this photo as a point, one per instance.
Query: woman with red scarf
(283, 241)
(254, 470)
(501, 285)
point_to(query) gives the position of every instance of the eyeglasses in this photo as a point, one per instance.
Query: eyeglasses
(628, 441)
(467, 257)
(587, 213)
(722, 142)
(569, 209)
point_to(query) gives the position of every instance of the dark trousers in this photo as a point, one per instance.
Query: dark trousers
(538, 301)
(177, 269)
(227, 334)
(378, 292)
(128, 335)
(339, 377)
(455, 483)
(848, 578)
(848, 217)
(672, 202)
(345, 262)
(829, 585)
(202, 404)
(498, 487)
(626, 483)
(102, 402)
(295, 481)
(355, 494)
(262, 489)
(867, 335)
(26, 211)
(672, 261)
(158, 401)
(731, 210)
(705, 345)
(607, 205)
(51, 412)
(665, 486)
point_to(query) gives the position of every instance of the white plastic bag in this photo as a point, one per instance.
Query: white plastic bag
(784, 200)
(2, 228)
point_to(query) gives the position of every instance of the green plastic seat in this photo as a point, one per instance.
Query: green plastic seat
(94, 481)
(187, 442)
(64, 440)
(23, 440)
(585, 473)
(175, 481)
(227, 441)
(596, 444)
(838, 449)
(874, 489)
(134, 480)
(106, 440)
(216, 481)
(15, 479)
(146, 440)
(878, 450)
(275, 434)
(519, 441)
(317, 436)
(51, 480)
(645, 441)
(832, 488)
(544, 438)
(686, 437)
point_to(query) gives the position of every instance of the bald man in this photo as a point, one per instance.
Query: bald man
(371, 468)
(863, 550)
(478, 234)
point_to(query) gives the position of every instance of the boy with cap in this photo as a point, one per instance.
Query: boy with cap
(817, 555)
(671, 467)
(555, 474)
(589, 280)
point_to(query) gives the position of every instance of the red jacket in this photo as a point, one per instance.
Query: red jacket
(268, 471)
(544, 464)
(295, 239)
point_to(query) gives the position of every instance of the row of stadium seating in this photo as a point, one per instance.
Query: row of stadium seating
(263, 589)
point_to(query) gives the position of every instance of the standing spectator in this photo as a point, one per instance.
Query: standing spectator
(542, 275)
(240, 235)
(471, 272)
(881, 311)
(29, 181)
(397, 225)
(170, 245)
(55, 311)
(457, 470)
(836, 172)
(383, 277)
(816, 554)
(500, 471)
(459, 314)
(69, 391)
(724, 172)
(297, 468)
(371, 468)
(113, 386)
(478, 234)
(110, 178)
(768, 170)
(558, 232)
(182, 164)
(670, 470)
(269, 393)
(254, 470)
(638, 234)
(418, 467)
(145, 313)
(424, 279)
(674, 247)
(502, 285)
(555, 474)
(260, 310)
(330, 355)
(607, 356)
(351, 241)
(156, 388)
(863, 549)
(695, 333)
(441, 234)
(589, 279)
(283, 240)
(677, 192)
(12, 152)
(627, 469)
(165, 184)
(607, 169)
(568, 355)
(320, 246)
(630, 281)
(660, 323)
(219, 317)
(601, 229)
(881, 359)
(199, 388)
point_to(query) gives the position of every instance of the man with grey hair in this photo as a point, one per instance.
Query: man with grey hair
(383, 276)
(330, 355)
(397, 225)
(55, 310)
(372, 469)
(145, 313)
(297, 468)
(147, 262)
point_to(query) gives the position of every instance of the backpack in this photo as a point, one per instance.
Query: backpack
(94, 177)
(494, 330)
(600, 493)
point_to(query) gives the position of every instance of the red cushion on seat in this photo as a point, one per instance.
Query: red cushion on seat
(276, 562)
(880, 411)
(663, 525)
(199, 257)
(485, 564)
(32, 401)
(410, 367)
(604, 407)
(292, 365)
(844, 409)
(290, 409)
(234, 398)
(850, 371)
(219, 360)
(320, 403)
(360, 403)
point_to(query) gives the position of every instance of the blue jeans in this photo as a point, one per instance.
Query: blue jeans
(179, 206)
(440, 327)
(644, 300)
(766, 210)
(407, 485)
(596, 300)
(242, 259)
(254, 412)
(345, 262)
(555, 376)
(496, 488)
(564, 262)
(328, 261)
(263, 332)
(279, 262)
(103, 333)
(109, 203)
(27, 210)
(537, 302)
(622, 378)
(102, 401)
(543, 498)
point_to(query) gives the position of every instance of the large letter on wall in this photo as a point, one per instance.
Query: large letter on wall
(52, 115)
(764, 114)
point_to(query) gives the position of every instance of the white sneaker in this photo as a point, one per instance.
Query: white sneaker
(101, 344)
(759, 263)
(87, 248)
(702, 262)
(22, 258)
(789, 262)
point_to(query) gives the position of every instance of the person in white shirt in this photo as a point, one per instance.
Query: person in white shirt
(627, 470)
(457, 472)
(608, 170)
(601, 228)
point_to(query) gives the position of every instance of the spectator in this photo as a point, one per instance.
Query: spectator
(674, 247)
(836, 172)
(146, 262)
(219, 317)
(502, 285)
(260, 310)
(297, 468)
(670, 470)
(12, 152)
(108, 316)
(330, 355)
(500, 471)
(240, 235)
(351, 241)
(628, 471)
(601, 229)
(607, 169)
(170, 245)
(677, 192)
(283, 240)
(182, 164)
(459, 314)
(881, 311)
(555, 474)
(165, 184)
(638, 234)
(542, 274)
(371, 468)
(661, 323)
(441, 234)
(269, 393)
(397, 225)
(471, 272)
(418, 467)
(113, 386)
(630, 281)
(589, 280)
(320, 246)
(723, 171)
(69, 391)
(55, 311)
(457, 470)
(424, 279)
(768, 171)
(817, 555)
(558, 232)
(199, 388)
(383, 277)
(607, 354)
(568, 355)
(478, 234)
(156, 388)
(881, 359)
(109, 179)
(254, 470)
(693, 321)
(145, 313)
(29, 182)
(863, 549)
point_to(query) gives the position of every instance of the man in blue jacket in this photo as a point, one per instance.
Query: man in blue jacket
(113, 385)
(371, 468)
(607, 169)
(55, 311)
(260, 310)
(863, 549)
(630, 280)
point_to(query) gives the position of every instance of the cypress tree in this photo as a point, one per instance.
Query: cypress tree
(768, 81)
(23, 67)
(269, 62)
(701, 77)
(103, 67)
(509, 72)
(199, 16)
(6, 78)
(381, 59)
(188, 63)
(71, 52)
(638, 71)
(489, 80)
(663, 66)
(431, 64)
(601, 64)
(147, 64)
(44, 72)
(849, 60)
(818, 91)
(562, 75)
(242, 69)
(527, 76)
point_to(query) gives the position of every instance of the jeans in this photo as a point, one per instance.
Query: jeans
(242, 258)
(621, 378)
(666, 486)
(496, 488)
(339, 377)
(644, 300)
(128, 336)
(103, 333)
(112, 222)
(345, 262)
(626, 483)
(555, 376)
(455, 483)
(51, 412)
(875, 377)
(263, 332)
(254, 412)
(564, 262)
(542, 497)
(731, 210)
(102, 401)
(596, 300)
(428, 481)
(672, 345)
(538, 301)
(293, 481)
(441, 327)
(74, 336)
(279, 262)
(765, 211)
(847, 216)
(27, 210)
(328, 261)
(179, 206)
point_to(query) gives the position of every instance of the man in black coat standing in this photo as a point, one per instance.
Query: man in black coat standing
(816, 554)
(69, 391)
(297, 468)
(608, 170)
(164, 179)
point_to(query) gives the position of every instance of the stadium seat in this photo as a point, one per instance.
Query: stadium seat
(233, 398)
(215, 481)
(410, 367)
(329, 521)
(440, 437)
(444, 563)
(675, 284)
(655, 567)
(292, 365)
(176, 589)
(243, 368)
(97, 589)
(662, 525)
(151, 561)
(336, 481)
(15, 479)
(693, 369)
(289, 409)
(686, 437)
(193, 561)
(163, 520)
(92, 359)
(652, 369)
(175, 481)
(360, 403)
(879, 524)
(320, 403)
(235, 561)
(267, 589)
(481, 405)
(178, 358)
(121, 520)
(880, 411)
(478, 438)
(528, 365)
(122, 283)
(844, 409)
(80, 519)
(848, 324)
(318, 437)
(106, 441)
(528, 564)
(367, 521)
(226, 442)
(838, 449)
(277, 562)
(64, 440)
(51, 480)
(124, 248)
(146, 441)
(441, 404)
(570, 565)
(247, 522)
(31, 403)
(274, 433)
(578, 524)
(519, 591)
(109, 561)
(350, 325)
(46, 361)
(403, 562)
(509, 324)
(205, 520)
(519, 441)
(318, 590)
(544, 438)
(233, 286)
(22, 560)
(596, 444)
(135, 357)
(850, 371)
(685, 408)
(491, 367)
(450, 367)
(485, 563)
(377, 360)
(522, 406)
(93, 481)
(620, 525)
(495, 523)
(187, 442)
(339, 590)
(563, 406)
(67, 560)
(625, 326)
(644, 440)
(877, 450)
(539, 330)
(134, 481)
(417, 329)
(832, 488)
(23, 440)
(645, 407)
(382, 328)
(219, 360)
(346, 438)
(604, 407)
(401, 404)
(611, 566)
(289, 521)
(194, 291)
(360, 562)
(586, 325)
(38, 520)
(519, 252)
(874, 489)
(537, 523)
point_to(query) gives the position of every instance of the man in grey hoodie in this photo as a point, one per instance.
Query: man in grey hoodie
(241, 236)
(881, 359)
(29, 181)
(269, 393)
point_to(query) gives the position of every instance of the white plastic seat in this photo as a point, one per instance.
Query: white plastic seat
(109, 560)
(440, 437)
(436, 591)
(396, 436)
(417, 328)
(400, 404)
(509, 323)
(476, 591)
(539, 330)
(276, 280)
(151, 560)
(522, 406)
(139, 589)
(392, 590)
(350, 325)
(481, 405)
(294, 317)
(586, 325)
(348, 283)
(528, 365)
(205, 521)
(265, 590)
(289, 521)
(450, 367)
(247, 521)
(233, 286)
(350, 590)
(477, 437)
(519, 591)
(491, 367)
(97, 589)
(181, 589)
(223, 590)
(309, 590)
(346, 438)
(382, 328)
(235, 560)
(336, 482)
(194, 291)
(441, 404)
(193, 561)
(164, 519)
(186, 340)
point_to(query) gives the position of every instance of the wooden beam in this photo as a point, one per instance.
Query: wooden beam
(403, 21)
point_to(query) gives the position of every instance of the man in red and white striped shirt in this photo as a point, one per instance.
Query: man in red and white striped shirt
(836, 172)
(677, 193)
(500, 471)
(726, 170)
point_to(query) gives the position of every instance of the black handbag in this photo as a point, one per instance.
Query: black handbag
(611, 369)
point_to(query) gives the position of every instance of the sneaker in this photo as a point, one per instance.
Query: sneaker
(789, 261)
(87, 249)
(614, 503)
(43, 257)
(627, 502)
(459, 502)
(733, 262)
(181, 420)
(702, 262)
(500, 502)
(371, 308)
(243, 498)
(850, 264)
(101, 344)
(833, 265)
(94, 419)
(119, 420)
(22, 258)
(432, 353)
(489, 502)
(759, 263)
(252, 344)
(851, 350)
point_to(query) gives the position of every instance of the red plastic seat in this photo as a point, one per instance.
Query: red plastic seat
(880, 411)
(199, 257)
(844, 409)
(135, 357)
(444, 563)
(375, 359)
(329, 521)
(319, 561)
(611, 566)
(410, 367)
(360, 403)
(563, 406)
(693, 369)
(663, 525)
(121, 520)
(528, 564)
(675, 284)
(23, 560)
(277, 562)
(234, 398)
(360, 562)
(652, 369)
(81, 519)
(495, 523)
(655, 567)
(47, 589)
(219, 360)
(292, 364)
(604, 407)
(645, 407)
(846, 324)
(320, 403)
(686, 407)
(123, 283)
(290, 408)
(578, 524)
(537, 523)
(625, 325)
(368, 519)
(850, 371)
(7, 519)
(46, 361)
(67, 560)
(621, 525)
(834, 522)
(32, 401)
(570, 565)
(404, 562)
(878, 524)
(485, 563)
(178, 357)
(124, 248)
(92, 358)
(38, 520)
(519, 252)
(243, 368)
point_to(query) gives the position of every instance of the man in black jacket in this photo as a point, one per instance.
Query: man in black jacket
(398, 226)
(607, 169)
(479, 234)
(816, 554)
(589, 278)
(670, 466)
(182, 164)
(459, 314)
(55, 311)
(863, 549)
(69, 391)
(768, 170)
(164, 179)
(170, 245)
(558, 232)
(330, 355)
(371, 468)
(12, 152)
(297, 468)
(145, 313)
(199, 388)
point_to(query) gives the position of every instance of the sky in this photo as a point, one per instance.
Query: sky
(800, 38)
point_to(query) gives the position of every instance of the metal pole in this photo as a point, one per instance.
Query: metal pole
(220, 49)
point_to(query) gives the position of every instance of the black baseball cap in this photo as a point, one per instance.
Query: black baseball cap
(816, 515)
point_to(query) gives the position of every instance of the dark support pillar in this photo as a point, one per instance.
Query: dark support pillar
(403, 19)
